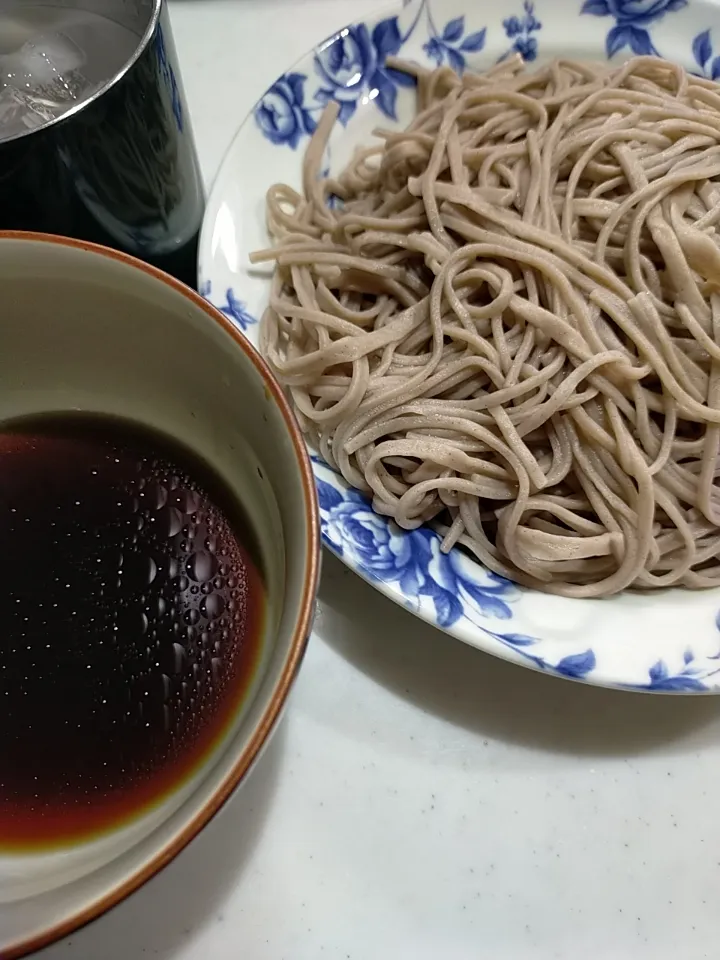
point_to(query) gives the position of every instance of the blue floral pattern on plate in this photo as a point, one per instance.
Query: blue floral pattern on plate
(452, 45)
(702, 49)
(233, 308)
(633, 19)
(353, 63)
(412, 558)
(281, 114)
(520, 30)
(692, 678)
(668, 645)
(350, 66)
(382, 552)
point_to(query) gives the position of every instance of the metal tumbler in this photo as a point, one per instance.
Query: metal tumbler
(95, 136)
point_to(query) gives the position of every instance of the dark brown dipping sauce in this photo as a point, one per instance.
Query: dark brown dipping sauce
(132, 605)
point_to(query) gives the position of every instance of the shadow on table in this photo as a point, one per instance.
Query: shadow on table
(190, 892)
(446, 677)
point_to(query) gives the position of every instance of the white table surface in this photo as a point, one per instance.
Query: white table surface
(422, 801)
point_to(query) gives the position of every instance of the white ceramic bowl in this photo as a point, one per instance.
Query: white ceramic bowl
(89, 329)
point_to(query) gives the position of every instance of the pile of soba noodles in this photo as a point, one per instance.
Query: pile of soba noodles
(505, 320)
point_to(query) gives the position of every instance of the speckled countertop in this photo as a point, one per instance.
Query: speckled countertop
(422, 801)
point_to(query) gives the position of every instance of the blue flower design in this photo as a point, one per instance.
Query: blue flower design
(702, 49)
(520, 30)
(690, 679)
(575, 666)
(412, 559)
(632, 18)
(412, 562)
(233, 308)
(282, 115)
(352, 65)
(451, 45)
(236, 310)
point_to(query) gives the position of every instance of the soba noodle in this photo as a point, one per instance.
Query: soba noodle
(505, 320)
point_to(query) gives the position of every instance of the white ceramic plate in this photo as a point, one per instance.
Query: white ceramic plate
(665, 642)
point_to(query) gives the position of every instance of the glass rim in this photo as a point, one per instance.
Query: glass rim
(85, 101)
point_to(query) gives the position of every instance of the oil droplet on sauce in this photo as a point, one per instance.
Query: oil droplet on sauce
(121, 661)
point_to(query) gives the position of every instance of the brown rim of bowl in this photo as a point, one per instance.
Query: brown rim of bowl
(299, 640)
